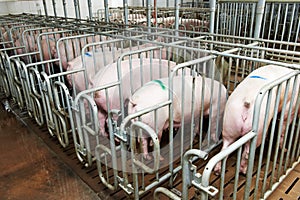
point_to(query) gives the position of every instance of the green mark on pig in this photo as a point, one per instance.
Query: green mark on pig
(160, 83)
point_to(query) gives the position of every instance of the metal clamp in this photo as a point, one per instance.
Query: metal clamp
(210, 190)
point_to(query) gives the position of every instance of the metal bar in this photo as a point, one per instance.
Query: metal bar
(45, 8)
(258, 103)
(149, 13)
(212, 9)
(90, 9)
(187, 167)
(125, 12)
(220, 156)
(54, 8)
(260, 9)
(177, 19)
(166, 192)
(77, 9)
(106, 8)
(65, 9)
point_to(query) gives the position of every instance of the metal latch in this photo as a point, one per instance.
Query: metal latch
(210, 190)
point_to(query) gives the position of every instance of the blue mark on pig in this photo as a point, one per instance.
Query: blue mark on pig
(259, 77)
(88, 54)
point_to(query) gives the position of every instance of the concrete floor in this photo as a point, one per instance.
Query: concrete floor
(30, 170)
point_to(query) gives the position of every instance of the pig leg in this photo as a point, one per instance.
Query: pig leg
(159, 139)
(226, 143)
(245, 156)
(145, 148)
(102, 120)
(285, 122)
(213, 126)
(217, 112)
(165, 126)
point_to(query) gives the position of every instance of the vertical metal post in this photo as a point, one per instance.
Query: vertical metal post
(54, 7)
(259, 16)
(90, 9)
(106, 11)
(76, 5)
(188, 169)
(212, 9)
(45, 8)
(154, 15)
(148, 13)
(125, 6)
(177, 5)
(65, 8)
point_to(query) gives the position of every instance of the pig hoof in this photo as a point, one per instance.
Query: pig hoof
(103, 133)
(148, 157)
(217, 173)
(282, 148)
(242, 174)
(217, 169)
(151, 143)
(117, 140)
(161, 158)
(243, 171)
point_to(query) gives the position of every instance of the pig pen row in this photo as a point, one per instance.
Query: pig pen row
(144, 104)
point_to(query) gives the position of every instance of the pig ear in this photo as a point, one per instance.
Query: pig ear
(247, 104)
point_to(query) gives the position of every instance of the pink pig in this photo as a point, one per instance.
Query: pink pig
(157, 91)
(93, 63)
(239, 108)
(71, 48)
(131, 78)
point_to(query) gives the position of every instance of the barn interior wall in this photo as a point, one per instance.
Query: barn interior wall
(36, 6)
(16, 7)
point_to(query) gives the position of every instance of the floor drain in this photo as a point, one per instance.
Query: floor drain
(292, 185)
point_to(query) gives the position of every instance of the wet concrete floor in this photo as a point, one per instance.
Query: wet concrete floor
(30, 170)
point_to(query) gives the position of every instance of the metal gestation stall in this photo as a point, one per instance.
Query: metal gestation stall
(73, 76)
(271, 162)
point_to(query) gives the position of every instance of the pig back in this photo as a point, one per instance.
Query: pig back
(238, 114)
(157, 91)
(132, 73)
(187, 92)
(151, 94)
(94, 61)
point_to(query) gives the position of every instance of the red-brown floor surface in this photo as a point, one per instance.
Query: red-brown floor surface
(30, 170)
